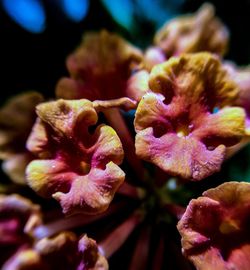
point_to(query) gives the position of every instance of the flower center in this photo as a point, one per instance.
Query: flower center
(229, 226)
(183, 131)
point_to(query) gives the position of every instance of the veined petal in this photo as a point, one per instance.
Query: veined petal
(176, 126)
(107, 148)
(46, 176)
(92, 193)
(184, 157)
(200, 77)
(79, 168)
(226, 127)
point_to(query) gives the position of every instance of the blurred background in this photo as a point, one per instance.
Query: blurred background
(37, 35)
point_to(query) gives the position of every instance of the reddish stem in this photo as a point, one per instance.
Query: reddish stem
(140, 255)
(175, 210)
(116, 239)
(116, 120)
(72, 222)
(131, 191)
(230, 151)
(159, 254)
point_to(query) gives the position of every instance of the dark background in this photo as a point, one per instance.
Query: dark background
(36, 61)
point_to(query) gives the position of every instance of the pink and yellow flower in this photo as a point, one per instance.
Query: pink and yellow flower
(104, 67)
(185, 124)
(215, 228)
(77, 158)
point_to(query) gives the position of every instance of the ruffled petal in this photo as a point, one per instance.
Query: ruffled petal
(102, 68)
(92, 194)
(81, 172)
(177, 126)
(201, 31)
(225, 127)
(16, 120)
(200, 77)
(221, 216)
(180, 156)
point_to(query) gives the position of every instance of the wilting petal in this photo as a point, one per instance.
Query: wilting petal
(81, 172)
(214, 228)
(176, 126)
(101, 68)
(197, 32)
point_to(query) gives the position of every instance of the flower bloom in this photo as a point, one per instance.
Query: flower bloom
(18, 218)
(76, 165)
(241, 76)
(185, 124)
(16, 120)
(62, 251)
(103, 67)
(215, 228)
(197, 32)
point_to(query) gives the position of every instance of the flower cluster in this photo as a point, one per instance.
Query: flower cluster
(118, 152)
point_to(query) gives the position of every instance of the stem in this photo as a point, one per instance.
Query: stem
(116, 120)
(116, 239)
(72, 222)
(131, 191)
(140, 255)
(236, 148)
(159, 254)
(175, 210)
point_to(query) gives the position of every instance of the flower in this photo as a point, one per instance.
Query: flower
(197, 32)
(62, 251)
(214, 228)
(103, 67)
(75, 165)
(188, 114)
(16, 120)
(18, 218)
(241, 76)
(176, 126)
